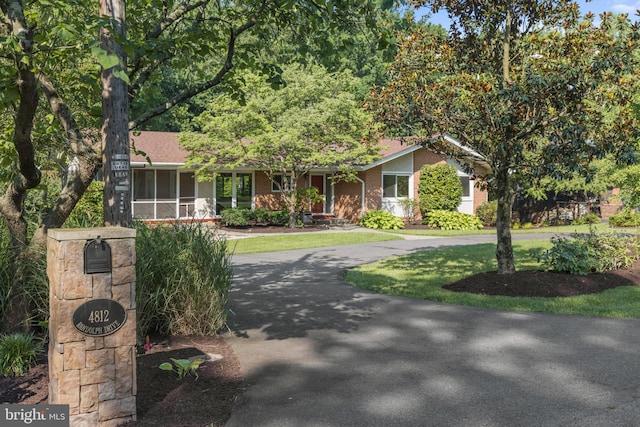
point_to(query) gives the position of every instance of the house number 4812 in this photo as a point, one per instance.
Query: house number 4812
(99, 316)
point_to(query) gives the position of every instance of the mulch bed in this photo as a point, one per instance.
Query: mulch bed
(547, 284)
(162, 400)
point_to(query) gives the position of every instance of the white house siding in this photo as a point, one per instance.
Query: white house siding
(466, 205)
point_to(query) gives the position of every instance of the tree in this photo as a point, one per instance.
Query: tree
(314, 121)
(50, 96)
(524, 83)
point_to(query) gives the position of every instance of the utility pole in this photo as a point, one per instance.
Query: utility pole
(116, 152)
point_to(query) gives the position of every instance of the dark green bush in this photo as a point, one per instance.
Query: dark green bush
(279, 218)
(488, 213)
(590, 253)
(183, 277)
(236, 217)
(439, 188)
(18, 353)
(625, 219)
(587, 219)
(241, 217)
(381, 220)
(447, 220)
(260, 215)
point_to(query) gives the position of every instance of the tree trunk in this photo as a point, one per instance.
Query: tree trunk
(115, 124)
(291, 205)
(28, 175)
(504, 248)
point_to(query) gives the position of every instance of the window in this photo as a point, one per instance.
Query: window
(224, 190)
(466, 186)
(244, 190)
(395, 186)
(278, 183)
(233, 190)
(155, 193)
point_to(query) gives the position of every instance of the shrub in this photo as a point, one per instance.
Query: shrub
(447, 220)
(587, 219)
(260, 215)
(183, 277)
(439, 188)
(279, 218)
(241, 217)
(235, 217)
(625, 219)
(590, 253)
(488, 213)
(381, 220)
(18, 353)
(409, 208)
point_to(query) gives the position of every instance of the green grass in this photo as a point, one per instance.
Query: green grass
(564, 229)
(422, 275)
(287, 242)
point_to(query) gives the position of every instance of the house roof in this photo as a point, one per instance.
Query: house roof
(163, 149)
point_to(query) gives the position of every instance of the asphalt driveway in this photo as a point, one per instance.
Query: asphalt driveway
(317, 352)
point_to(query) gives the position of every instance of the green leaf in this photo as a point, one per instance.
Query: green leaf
(166, 366)
(119, 73)
(105, 59)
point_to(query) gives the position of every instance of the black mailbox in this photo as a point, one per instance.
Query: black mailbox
(97, 256)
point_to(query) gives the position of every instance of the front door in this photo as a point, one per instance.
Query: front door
(318, 182)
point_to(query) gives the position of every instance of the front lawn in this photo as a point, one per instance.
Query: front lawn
(422, 275)
(560, 229)
(291, 241)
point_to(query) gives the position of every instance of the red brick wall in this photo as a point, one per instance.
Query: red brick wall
(264, 197)
(348, 195)
(347, 200)
(373, 189)
(267, 199)
(479, 196)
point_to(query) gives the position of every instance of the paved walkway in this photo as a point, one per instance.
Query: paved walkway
(317, 352)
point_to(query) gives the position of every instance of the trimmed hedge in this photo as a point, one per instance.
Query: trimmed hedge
(439, 188)
(240, 217)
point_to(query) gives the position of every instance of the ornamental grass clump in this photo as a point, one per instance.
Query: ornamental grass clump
(19, 353)
(591, 253)
(183, 277)
(31, 270)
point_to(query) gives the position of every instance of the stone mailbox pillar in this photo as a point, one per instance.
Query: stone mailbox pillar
(92, 326)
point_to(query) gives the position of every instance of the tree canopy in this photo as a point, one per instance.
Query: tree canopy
(524, 83)
(313, 122)
(50, 92)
